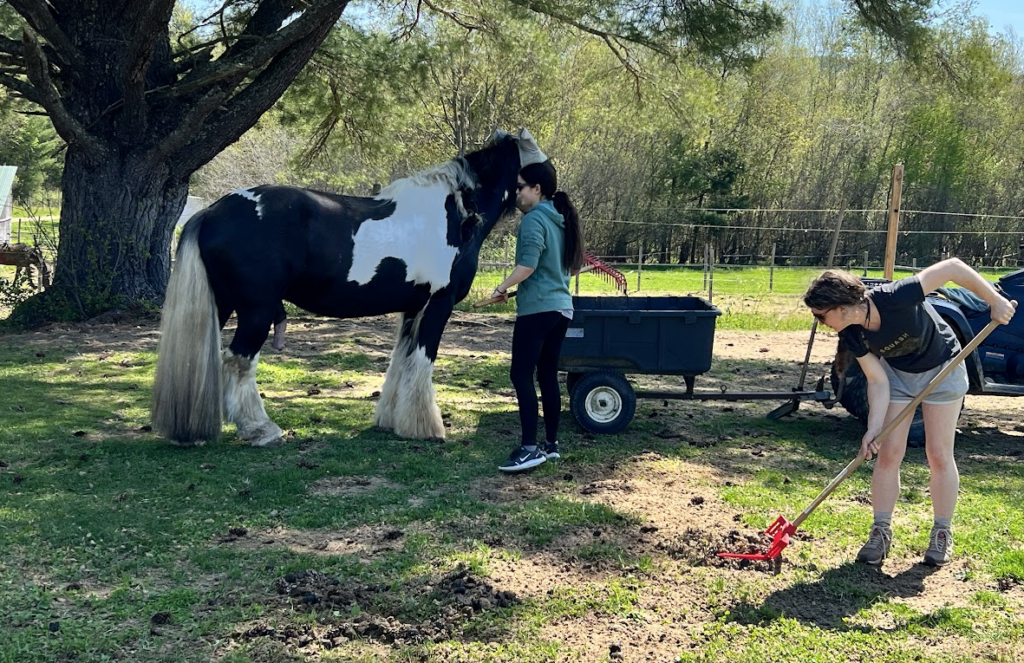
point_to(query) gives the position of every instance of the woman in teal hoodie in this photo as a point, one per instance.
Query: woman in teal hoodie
(549, 250)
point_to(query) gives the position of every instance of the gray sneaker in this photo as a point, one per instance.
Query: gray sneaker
(876, 549)
(940, 547)
(551, 450)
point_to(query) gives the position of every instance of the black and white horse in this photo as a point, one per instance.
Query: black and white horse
(411, 249)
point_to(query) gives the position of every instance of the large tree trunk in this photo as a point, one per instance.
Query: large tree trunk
(116, 224)
(140, 113)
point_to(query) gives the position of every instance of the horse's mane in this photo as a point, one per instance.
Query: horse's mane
(455, 174)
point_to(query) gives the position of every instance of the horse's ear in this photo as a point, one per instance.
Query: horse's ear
(529, 151)
(495, 137)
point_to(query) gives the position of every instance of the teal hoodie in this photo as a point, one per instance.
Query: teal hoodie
(541, 240)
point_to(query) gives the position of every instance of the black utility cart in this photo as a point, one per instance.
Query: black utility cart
(610, 337)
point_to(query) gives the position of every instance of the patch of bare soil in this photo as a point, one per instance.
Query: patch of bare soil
(363, 542)
(373, 612)
(349, 486)
(681, 526)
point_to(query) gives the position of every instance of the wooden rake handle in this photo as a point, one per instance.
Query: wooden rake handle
(512, 293)
(904, 413)
(493, 300)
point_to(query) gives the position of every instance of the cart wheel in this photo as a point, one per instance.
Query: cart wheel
(603, 402)
(571, 380)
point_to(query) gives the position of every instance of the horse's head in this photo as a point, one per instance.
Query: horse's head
(529, 151)
(498, 162)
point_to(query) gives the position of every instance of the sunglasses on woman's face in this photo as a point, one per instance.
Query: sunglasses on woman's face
(820, 317)
(521, 185)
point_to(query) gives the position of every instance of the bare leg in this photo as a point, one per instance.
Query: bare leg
(885, 479)
(940, 433)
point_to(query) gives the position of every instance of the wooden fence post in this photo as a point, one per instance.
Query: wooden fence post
(705, 286)
(711, 274)
(504, 267)
(865, 263)
(771, 269)
(639, 266)
(894, 221)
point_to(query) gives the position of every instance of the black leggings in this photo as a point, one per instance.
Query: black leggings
(536, 344)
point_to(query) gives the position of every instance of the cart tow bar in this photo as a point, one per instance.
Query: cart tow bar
(789, 408)
(781, 530)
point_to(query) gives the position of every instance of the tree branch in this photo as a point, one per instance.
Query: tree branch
(11, 47)
(246, 107)
(191, 123)
(537, 8)
(37, 69)
(148, 21)
(38, 15)
(246, 56)
(450, 15)
(23, 88)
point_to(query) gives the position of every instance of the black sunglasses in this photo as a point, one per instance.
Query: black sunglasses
(520, 187)
(820, 317)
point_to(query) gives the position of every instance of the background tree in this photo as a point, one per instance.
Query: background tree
(143, 97)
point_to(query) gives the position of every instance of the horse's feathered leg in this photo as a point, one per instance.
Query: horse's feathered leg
(242, 402)
(397, 367)
(416, 414)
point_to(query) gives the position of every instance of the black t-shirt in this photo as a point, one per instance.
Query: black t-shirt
(912, 338)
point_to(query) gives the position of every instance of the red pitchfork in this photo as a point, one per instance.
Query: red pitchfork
(781, 530)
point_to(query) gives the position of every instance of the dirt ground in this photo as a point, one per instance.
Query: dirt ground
(681, 520)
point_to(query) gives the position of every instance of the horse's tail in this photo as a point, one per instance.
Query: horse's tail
(187, 394)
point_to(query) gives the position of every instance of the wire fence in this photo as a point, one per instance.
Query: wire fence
(773, 271)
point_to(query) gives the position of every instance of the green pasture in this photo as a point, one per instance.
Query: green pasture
(118, 547)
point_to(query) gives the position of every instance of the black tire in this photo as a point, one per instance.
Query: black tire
(602, 402)
(855, 400)
(571, 380)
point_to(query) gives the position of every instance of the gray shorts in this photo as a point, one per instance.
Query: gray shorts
(904, 387)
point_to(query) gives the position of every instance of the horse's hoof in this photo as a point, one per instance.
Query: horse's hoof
(187, 445)
(267, 438)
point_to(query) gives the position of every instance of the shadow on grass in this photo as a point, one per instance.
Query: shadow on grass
(840, 593)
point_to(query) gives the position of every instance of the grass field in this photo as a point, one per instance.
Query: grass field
(349, 544)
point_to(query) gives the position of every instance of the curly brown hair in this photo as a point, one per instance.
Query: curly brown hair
(834, 288)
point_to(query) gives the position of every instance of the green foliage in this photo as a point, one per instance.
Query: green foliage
(352, 95)
(14, 291)
(28, 142)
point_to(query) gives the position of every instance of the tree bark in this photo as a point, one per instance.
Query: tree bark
(116, 225)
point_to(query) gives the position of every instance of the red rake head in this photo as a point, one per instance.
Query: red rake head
(780, 531)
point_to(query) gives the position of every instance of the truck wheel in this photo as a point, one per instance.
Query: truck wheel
(855, 400)
(571, 379)
(602, 402)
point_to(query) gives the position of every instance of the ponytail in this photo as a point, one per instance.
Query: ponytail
(543, 174)
(572, 253)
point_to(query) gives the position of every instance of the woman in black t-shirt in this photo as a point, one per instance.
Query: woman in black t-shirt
(901, 343)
